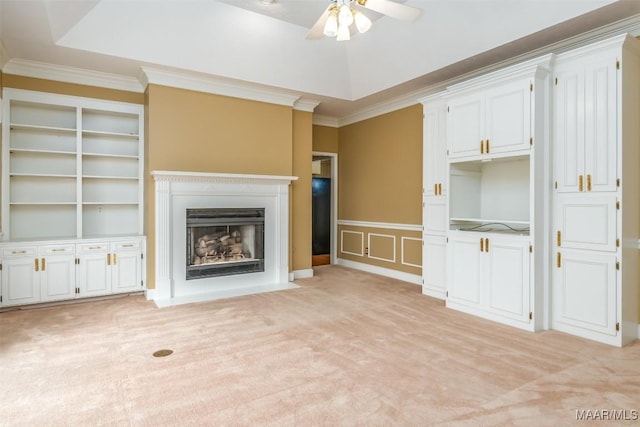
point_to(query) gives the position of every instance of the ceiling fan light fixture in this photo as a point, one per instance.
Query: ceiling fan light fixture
(343, 32)
(331, 26)
(345, 16)
(363, 23)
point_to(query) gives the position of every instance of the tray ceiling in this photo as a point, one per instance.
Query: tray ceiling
(264, 45)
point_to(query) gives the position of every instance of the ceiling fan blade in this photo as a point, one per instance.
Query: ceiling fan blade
(392, 9)
(317, 31)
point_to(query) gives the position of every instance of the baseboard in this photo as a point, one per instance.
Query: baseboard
(150, 294)
(300, 274)
(394, 274)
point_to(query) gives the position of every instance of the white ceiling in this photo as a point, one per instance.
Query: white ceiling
(265, 45)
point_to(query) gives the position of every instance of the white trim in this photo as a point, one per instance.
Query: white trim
(402, 261)
(384, 225)
(383, 236)
(224, 178)
(307, 105)
(321, 120)
(334, 202)
(394, 274)
(215, 85)
(629, 25)
(301, 274)
(61, 73)
(361, 242)
(150, 294)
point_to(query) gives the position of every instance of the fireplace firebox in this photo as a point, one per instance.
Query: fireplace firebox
(224, 241)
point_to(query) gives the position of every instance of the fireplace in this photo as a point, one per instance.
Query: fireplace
(243, 221)
(224, 241)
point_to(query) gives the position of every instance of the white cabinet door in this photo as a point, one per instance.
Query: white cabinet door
(507, 277)
(434, 266)
(600, 124)
(57, 272)
(585, 132)
(465, 270)
(584, 292)
(465, 126)
(20, 280)
(94, 275)
(508, 118)
(126, 264)
(435, 215)
(586, 222)
(568, 128)
(434, 149)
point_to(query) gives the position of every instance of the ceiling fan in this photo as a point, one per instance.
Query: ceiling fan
(338, 17)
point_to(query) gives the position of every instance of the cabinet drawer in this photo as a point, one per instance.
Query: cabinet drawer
(127, 246)
(90, 248)
(19, 251)
(57, 250)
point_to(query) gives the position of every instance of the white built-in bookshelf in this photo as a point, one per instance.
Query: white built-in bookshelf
(72, 167)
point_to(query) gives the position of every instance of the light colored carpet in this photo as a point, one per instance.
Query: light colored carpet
(346, 348)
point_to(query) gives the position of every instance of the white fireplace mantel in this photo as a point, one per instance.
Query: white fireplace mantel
(176, 191)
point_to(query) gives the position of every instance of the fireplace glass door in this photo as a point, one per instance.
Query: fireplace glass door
(224, 241)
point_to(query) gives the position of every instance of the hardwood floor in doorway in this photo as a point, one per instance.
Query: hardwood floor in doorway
(318, 260)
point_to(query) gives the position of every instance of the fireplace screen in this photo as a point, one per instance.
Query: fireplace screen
(224, 241)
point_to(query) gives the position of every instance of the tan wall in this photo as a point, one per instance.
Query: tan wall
(380, 180)
(301, 192)
(394, 249)
(41, 85)
(199, 132)
(380, 168)
(325, 139)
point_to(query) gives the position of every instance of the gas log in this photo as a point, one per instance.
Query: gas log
(219, 247)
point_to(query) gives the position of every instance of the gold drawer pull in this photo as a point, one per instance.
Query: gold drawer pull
(36, 264)
(588, 182)
(95, 247)
(440, 189)
(481, 244)
(559, 260)
(435, 189)
(128, 245)
(580, 183)
(108, 259)
(486, 244)
(58, 250)
(18, 252)
(42, 264)
(114, 259)
(482, 147)
(487, 149)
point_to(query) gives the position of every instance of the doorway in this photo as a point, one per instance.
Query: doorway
(323, 190)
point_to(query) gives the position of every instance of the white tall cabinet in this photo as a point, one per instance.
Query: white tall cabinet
(538, 220)
(485, 148)
(596, 206)
(434, 200)
(71, 180)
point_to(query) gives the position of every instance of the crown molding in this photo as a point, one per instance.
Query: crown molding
(307, 105)
(320, 120)
(39, 70)
(630, 25)
(216, 86)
